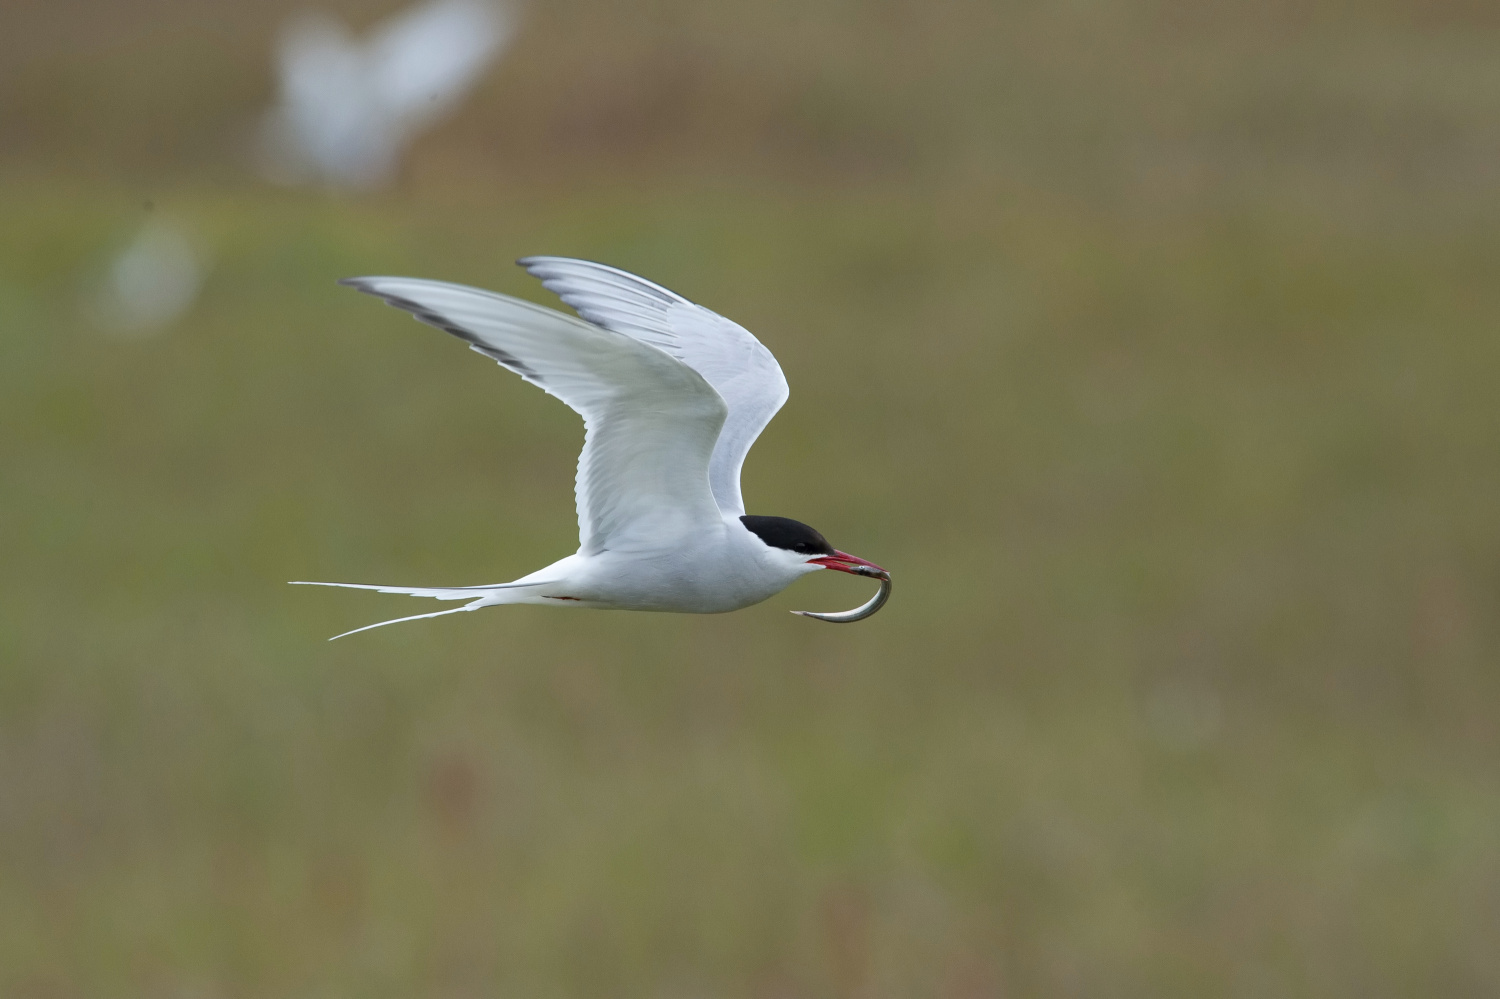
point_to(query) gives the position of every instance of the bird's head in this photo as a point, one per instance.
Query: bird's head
(802, 549)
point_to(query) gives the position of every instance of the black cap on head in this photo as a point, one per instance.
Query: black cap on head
(783, 532)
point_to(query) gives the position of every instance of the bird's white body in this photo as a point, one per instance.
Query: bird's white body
(708, 573)
(672, 396)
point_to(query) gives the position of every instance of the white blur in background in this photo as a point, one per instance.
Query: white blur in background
(348, 107)
(151, 283)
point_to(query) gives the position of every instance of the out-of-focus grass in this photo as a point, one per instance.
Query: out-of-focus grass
(1174, 417)
(1186, 687)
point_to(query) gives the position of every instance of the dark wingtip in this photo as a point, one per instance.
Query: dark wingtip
(358, 284)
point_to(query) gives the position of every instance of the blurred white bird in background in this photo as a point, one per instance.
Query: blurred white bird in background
(349, 107)
(152, 282)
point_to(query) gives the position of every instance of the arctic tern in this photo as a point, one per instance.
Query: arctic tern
(672, 397)
(349, 106)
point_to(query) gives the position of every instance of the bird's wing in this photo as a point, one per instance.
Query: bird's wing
(725, 353)
(326, 126)
(317, 59)
(650, 421)
(424, 58)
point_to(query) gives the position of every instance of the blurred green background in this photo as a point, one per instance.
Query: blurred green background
(1152, 345)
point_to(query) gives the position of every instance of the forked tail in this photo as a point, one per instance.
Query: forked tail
(478, 596)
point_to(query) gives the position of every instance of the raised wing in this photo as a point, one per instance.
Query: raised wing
(423, 59)
(324, 127)
(650, 421)
(725, 353)
(319, 61)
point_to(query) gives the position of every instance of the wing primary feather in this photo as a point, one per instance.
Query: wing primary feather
(423, 314)
(507, 361)
(560, 266)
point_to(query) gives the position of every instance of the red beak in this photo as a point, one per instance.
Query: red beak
(844, 562)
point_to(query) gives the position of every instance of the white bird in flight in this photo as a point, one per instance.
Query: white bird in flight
(672, 396)
(348, 107)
